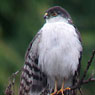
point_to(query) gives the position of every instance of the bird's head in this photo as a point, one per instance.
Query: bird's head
(57, 13)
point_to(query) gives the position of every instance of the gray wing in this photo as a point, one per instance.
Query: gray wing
(32, 79)
(77, 73)
(80, 39)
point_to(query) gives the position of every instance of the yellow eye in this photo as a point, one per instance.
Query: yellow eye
(54, 14)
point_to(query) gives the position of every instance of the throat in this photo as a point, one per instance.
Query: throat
(56, 19)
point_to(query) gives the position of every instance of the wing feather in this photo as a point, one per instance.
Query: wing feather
(77, 72)
(32, 79)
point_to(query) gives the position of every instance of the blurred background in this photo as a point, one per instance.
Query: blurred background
(21, 19)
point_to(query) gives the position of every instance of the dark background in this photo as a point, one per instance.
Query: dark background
(21, 19)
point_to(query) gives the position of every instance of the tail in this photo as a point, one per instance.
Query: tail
(33, 81)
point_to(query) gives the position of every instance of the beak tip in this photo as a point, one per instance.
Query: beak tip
(44, 17)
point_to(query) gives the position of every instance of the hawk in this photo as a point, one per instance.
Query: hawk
(53, 57)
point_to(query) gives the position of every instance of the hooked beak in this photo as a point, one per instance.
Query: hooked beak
(46, 16)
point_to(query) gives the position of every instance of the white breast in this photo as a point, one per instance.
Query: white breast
(59, 50)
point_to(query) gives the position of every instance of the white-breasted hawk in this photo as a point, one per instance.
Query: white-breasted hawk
(53, 57)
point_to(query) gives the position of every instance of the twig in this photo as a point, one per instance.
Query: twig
(9, 90)
(88, 65)
(88, 80)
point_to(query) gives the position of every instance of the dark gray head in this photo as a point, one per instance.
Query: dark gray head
(57, 11)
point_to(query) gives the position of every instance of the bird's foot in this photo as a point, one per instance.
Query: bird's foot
(54, 93)
(61, 91)
(68, 88)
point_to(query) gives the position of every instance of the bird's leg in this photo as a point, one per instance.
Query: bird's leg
(68, 88)
(62, 89)
(55, 89)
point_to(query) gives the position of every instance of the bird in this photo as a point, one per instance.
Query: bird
(53, 57)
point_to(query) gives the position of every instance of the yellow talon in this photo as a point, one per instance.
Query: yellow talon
(61, 91)
(68, 88)
(53, 93)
